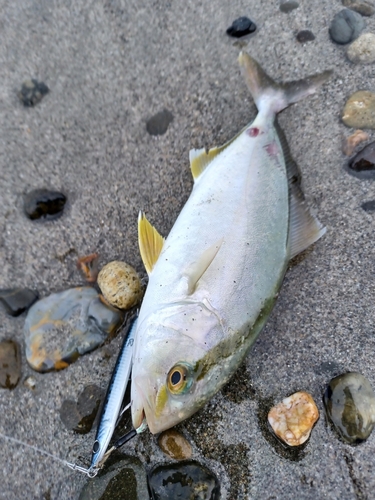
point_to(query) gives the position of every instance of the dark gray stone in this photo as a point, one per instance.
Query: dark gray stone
(346, 26)
(288, 6)
(159, 123)
(241, 27)
(17, 300)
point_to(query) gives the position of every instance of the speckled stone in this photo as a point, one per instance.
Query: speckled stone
(359, 110)
(173, 444)
(361, 6)
(10, 364)
(17, 300)
(350, 404)
(362, 50)
(183, 481)
(293, 419)
(32, 92)
(241, 27)
(304, 36)
(124, 479)
(44, 204)
(351, 142)
(159, 123)
(346, 26)
(63, 326)
(79, 416)
(288, 6)
(120, 284)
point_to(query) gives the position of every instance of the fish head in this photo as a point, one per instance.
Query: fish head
(174, 373)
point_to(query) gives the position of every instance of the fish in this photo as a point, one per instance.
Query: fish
(214, 280)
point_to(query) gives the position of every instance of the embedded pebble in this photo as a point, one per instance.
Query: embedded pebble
(351, 142)
(369, 206)
(288, 6)
(362, 50)
(241, 27)
(17, 300)
(42, 203)
(88, 265)
(10, 364)
(30, 383)
(346, 26)
(304, 36)
(79, 416)
(293, 419)
(159, 123)
(65, 325)
(185, 481)
(350, 404)
(32, 92)
(123, 478)
(359, 110)
(120, 284)
(363, 163)
(361, 6)
(173, 444)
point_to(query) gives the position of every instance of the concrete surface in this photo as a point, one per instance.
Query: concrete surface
(111, 65)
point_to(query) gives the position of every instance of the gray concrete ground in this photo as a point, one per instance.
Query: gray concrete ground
(110, 65)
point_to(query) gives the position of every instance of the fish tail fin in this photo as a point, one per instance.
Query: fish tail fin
(272, 96)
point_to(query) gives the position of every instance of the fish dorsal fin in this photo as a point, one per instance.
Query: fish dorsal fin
(150, 242)
(304, 228)
(196, 270)
(201, 158)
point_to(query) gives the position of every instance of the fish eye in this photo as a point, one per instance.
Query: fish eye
(179, 380)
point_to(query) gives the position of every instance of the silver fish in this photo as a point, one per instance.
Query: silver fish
(214, 280)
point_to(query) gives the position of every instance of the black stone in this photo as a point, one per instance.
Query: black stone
(159, 123)
(80, 416)
(241, 27)
(44, 203)
(288, 6)
(185, 481)
(369, 206)
(346, 26)
(363, 163)
(17, 300)
(32, 92)
(305, 36)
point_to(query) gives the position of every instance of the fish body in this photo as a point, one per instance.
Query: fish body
(214, 280)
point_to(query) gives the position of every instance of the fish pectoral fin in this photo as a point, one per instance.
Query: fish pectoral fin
(196, 270)
(150, 242)
(304, 228)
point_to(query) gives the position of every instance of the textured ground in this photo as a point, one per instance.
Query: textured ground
(111, 65)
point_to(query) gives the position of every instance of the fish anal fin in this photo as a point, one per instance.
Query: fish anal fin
(150, 242)
(196, 270)
(304, 228)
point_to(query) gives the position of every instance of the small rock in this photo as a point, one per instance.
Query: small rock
(350, 404)
(351, 142)
(79, 416)
(360, 6)
(346, 26)
(17, 300)
(362, 50)
(159, 123)
(120, 284)
(88, 265)
(32, 92)
(241, 27)
(44, 203)
(30, 383)
(10, 364)
(359, 110)
(63, 326)
(305, 36)
(288, 6)
(173, 444)
(293, 419)
(185, 481)
(124, 479)
(369, 206)
(363, 163)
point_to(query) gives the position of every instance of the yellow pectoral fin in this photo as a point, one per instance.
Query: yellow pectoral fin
(150, 242)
